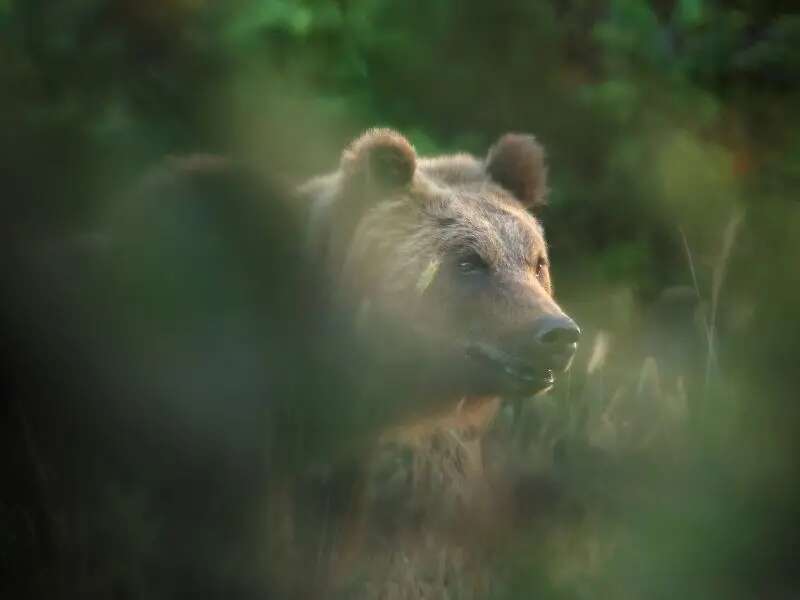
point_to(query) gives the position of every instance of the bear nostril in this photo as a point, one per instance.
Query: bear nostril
(557, 331)
(560, 335)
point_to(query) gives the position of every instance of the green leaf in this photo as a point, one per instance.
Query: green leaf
(285, 15)
(689, 13)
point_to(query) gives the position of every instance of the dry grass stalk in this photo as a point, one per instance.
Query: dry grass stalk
(719, 271)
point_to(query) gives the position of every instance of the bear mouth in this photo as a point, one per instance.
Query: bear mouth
(517, 375)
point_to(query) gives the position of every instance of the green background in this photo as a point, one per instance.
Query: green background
(672, 130)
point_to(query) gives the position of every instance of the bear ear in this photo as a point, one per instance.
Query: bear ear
(380, 157)
(517, 163)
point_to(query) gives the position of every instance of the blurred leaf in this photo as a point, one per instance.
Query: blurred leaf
(689, 13)
(617, 98)
(625, 261)
(632, 30)
(697, 178)
(262, 15)
(778, 53)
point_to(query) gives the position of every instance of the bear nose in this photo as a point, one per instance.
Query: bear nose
(560, 330)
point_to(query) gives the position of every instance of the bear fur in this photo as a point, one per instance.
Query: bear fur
(442, 265)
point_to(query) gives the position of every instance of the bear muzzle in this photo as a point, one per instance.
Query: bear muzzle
(527, 361)
(555, 341)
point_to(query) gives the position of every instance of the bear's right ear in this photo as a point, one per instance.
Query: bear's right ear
(380, 158)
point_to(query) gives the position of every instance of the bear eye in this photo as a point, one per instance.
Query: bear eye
(472, 263)
(541, 263)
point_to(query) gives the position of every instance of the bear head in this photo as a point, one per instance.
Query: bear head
(450, 250)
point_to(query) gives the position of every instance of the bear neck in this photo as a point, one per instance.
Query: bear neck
(469, 417)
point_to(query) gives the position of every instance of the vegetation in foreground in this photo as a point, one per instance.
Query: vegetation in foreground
(674, 143)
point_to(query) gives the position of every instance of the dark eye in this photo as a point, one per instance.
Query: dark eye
(541, 264)
(471, 264)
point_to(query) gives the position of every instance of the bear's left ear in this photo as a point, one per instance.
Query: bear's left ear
(382, 158)
(517, 163)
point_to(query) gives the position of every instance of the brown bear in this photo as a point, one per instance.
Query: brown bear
(213, 352)
(444, 266)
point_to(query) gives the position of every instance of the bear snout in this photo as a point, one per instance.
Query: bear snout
(550, 341)
(554, 331)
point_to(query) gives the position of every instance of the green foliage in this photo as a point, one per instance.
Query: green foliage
(663, 122)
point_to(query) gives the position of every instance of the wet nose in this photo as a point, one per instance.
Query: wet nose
(556, 331)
